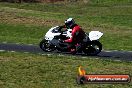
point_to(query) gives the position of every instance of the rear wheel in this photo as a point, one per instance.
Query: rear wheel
(93, 48)
(45, 46)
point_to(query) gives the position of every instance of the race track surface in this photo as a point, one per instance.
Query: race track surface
(114, 55)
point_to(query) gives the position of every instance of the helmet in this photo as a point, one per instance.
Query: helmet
(69, 22)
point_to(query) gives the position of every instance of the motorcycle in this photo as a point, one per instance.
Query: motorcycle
(89, 46)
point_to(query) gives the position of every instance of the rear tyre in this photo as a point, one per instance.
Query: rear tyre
(93, 48)
(45, 46)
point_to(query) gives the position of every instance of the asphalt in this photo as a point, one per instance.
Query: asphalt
(114, 55)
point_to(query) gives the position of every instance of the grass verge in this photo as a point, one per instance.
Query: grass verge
(19, 70)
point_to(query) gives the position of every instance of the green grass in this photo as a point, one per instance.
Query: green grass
(27, 23)
(22, 33)
(19, 70)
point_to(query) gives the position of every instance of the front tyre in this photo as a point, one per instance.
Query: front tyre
(45, 46)
(93, 48)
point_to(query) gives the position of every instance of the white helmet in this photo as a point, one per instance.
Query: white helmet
(69, 22)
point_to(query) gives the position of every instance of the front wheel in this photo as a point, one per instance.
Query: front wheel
(45, 46)
(93, 48)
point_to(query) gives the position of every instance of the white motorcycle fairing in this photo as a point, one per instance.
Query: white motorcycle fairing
(95, 35)
(50, 35)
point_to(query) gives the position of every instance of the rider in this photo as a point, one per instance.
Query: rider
(77, 33)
